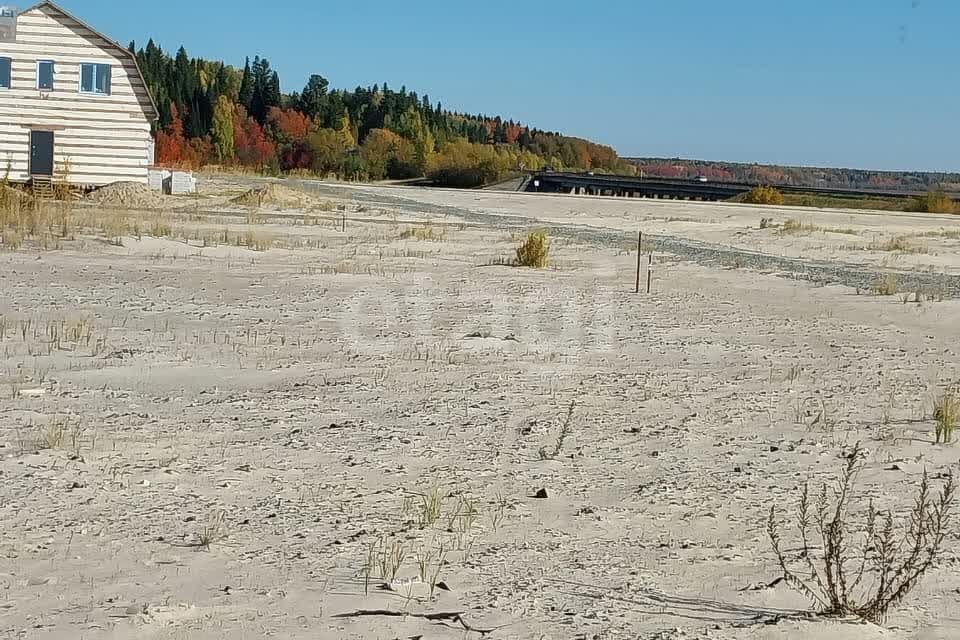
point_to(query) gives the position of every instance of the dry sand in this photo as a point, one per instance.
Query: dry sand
(296, 407)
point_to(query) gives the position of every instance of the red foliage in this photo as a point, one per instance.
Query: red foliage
(298, 155)
(171, 145)
(514, 132)
(288, 125)
(251, 144)
(198, 153)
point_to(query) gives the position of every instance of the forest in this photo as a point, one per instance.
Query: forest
(912, 181)
(213, 114)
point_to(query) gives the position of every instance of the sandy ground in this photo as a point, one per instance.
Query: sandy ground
(215, 442)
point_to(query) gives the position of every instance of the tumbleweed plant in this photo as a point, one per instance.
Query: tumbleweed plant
(861, 563)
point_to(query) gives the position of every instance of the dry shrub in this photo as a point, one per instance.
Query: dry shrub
(946, 413)
(888, 285)
(934, 202)
(763, 195)
(861, 563)
(535, 251)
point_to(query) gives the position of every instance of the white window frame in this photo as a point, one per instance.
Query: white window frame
(10, 83)
(53, 78)
(94, 94)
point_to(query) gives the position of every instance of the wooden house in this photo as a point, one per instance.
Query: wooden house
(74, 106)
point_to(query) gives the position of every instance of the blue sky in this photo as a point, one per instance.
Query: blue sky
(855, 83)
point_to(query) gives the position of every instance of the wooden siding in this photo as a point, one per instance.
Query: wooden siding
(97, 139)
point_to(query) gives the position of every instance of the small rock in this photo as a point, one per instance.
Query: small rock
(541, 494)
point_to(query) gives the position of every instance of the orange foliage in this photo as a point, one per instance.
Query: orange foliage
(171, 144)
(289, 124)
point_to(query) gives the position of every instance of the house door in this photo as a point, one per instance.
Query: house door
(41, 153)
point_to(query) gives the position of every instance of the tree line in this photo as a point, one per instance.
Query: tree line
(211, 113)
(799, 176)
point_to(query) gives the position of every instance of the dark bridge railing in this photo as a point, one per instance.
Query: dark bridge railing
(626, 186)
(673, 188)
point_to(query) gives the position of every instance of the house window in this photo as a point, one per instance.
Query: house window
(95, 78)
(45, 75)
(4, 73)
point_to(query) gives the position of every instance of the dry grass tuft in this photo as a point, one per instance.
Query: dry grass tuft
(946, 414)
(900, 244)
(214, 531)
(795, 226)
(565, 429)
(888, 285)
(426, 233)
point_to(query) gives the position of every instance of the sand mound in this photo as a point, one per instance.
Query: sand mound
(274, 195)
(126, 194)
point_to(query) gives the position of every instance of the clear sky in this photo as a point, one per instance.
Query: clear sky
(855, 83)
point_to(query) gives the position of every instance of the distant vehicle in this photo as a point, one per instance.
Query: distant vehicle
(702, 179)
(591, 173)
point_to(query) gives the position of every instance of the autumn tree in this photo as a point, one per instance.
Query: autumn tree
(193, 96)
(251, 145)
(223, 130)
(329, 151)
(171, 142)
(388, 155)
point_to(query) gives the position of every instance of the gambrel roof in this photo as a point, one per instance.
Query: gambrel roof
(52, 5)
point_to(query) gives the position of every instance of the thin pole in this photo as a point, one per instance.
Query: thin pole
(344, 225)
(639, 258)
(649, 273)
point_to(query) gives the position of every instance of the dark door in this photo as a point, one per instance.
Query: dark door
(41, 153)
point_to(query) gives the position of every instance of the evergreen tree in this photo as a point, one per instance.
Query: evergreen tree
(313, 100)
(273, 97)
(245, 97)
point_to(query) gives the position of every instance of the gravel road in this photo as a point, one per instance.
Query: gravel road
(819, 272)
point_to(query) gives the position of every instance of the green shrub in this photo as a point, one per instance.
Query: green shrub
(535, 251)
(763, 195)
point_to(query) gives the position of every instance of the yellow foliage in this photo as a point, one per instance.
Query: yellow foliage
(935, 202)
(763, 195)
(535, 251)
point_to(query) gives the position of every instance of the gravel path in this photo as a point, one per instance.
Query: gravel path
(819, 272)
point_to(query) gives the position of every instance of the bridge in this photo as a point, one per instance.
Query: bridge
(630, 187)
(677, 189)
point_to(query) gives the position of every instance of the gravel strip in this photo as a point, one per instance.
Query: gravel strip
(703, 253)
